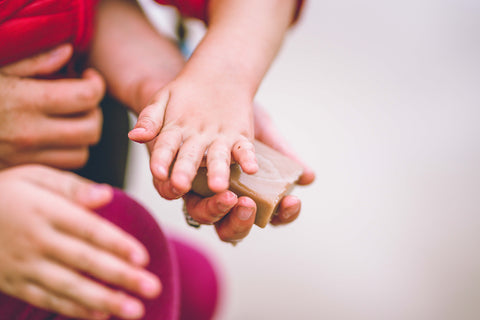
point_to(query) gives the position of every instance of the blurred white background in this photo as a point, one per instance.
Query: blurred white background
(382, 98)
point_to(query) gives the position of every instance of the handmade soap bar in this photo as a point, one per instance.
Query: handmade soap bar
(274, 179)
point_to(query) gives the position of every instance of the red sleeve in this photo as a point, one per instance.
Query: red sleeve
(29, 27)
(198, 8)
(189, 8)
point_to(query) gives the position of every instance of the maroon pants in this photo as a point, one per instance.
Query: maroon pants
(189, 282)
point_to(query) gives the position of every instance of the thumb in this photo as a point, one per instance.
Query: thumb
(150, 120)
(43, 63)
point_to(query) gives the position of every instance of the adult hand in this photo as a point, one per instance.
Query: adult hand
(50, 122)
(52, 245)
(233, 218)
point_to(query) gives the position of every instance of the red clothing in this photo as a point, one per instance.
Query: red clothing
(28, 27)
(198, 8)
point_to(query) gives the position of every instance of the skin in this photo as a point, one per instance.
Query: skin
(32, 123)
(45, 260)
(41, 111)
(139, 81)
(208, 107)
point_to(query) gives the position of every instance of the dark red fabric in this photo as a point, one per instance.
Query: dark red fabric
(189, 280)
(198, 8)
(28, 27)
(188, 8)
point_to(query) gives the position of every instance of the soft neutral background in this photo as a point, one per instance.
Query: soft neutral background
(382, 98)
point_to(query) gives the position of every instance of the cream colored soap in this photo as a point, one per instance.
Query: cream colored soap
(274, 179)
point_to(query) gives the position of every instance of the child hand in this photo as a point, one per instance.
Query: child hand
(189, 119)
(50, 239)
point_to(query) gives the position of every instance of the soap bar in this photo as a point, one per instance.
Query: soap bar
(274, 179)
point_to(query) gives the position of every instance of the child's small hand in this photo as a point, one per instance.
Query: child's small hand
(189, 119)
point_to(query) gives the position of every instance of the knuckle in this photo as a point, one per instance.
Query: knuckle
(23, 140)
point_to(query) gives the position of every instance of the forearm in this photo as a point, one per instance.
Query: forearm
(134, 58)
(242, 40)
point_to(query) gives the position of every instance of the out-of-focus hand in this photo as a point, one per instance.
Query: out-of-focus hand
(232, 217)
(50, 240)
(48, 121)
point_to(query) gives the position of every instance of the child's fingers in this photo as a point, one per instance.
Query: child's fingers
(46, 299)
(218, 165)
(188, 160)
(164, 151)
(237, 224)
(243, 152)
(150, 120)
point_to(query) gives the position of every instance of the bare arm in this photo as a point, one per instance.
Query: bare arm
(134, 58)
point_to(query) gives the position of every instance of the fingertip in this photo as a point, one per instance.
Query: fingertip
(96, 195)
(250, 167)
(139, 257)
(160, 172)
(181, 183)
(307, 177)
(288, 211)
(138, 135)
(218, 183)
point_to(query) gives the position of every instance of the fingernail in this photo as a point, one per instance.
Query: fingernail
(162, 172)
(244, 213)
(131, 309)
(223, 208)
(138, 130)
(290, 211)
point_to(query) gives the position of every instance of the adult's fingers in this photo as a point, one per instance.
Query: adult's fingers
(237, 224)
(212, 209)
(47, 62)
(61, 158)
(61, 97)
(60, 132)
(266, 132)
(288, 210)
